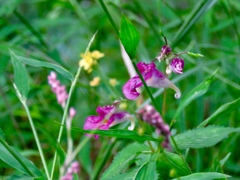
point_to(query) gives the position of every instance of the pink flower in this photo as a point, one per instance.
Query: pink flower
(166, 50)
(58, 89)
(108, 116)
(152, 77)
(72, 112)
(177, 65)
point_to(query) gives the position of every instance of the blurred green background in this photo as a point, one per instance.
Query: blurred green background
(59, 30)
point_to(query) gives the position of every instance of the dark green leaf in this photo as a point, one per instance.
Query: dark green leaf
(20, 76)
(203, 176)
(224, 109)
(126, 134)
(203, 137)
(37, 63)
(177, 163)
(148, 171)
(14, 159)
(122, 159)
(129, 37)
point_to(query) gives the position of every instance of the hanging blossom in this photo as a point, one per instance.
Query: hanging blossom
(152, 77)
(152, 117)
(89, 59)
(166, 50)
(58, 89)
(177, 65)
(74, 168)
(108, 116)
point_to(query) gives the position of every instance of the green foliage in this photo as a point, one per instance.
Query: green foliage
(224, 109)
(129, 37)
(13, 158)
(123, 159)
(193, 94)
(37, 63)
(204, 176)
(203, 137)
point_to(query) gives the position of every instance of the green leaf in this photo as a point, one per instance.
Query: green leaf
(129, 37)
(224, 109)
(14, 159)
(20, 76)
(177, 163)
(37, 63)
(203, 176)
(118, 133)
(148, 171)
(203, 137)
(126, 176)
(199, 10)
(193, 94)
(123, 158)
(85, 157)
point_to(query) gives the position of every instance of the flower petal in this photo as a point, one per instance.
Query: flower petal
(130, 88)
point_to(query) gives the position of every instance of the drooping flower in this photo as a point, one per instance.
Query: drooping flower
(152, 117)
(58, 89)
(89, 59)
(177, 65)
(152, 77)
(108, 116)
(164, 51)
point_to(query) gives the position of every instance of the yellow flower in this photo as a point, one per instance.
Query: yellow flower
(113, 82)
(89, 59)
(95, 81)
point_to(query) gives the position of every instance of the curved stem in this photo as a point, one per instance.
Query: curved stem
(36, 139)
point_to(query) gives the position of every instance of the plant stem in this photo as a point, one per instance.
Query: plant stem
(109, 17)
(73, 85)
(164, 102)
(36, 139)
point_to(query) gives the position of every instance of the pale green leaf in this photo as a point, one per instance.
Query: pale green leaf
(38, 63)
(203, 176)
(20, 76)
(193, 94)
(203, 137)
(224, 109)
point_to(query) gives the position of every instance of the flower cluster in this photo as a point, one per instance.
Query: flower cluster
(74, 168)
(89, 59)
(152, 117)
(58, 89)
(152, 77)
(108, 116)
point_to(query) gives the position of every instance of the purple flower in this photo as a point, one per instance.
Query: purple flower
(166, 50)
(177, 65)
(108, 116)
(152, 77)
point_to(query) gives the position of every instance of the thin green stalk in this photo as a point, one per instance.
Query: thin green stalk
(180, 154)
(73, 85)
(164, 102)
(36, 139)
(109, 17)
(16, 157)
